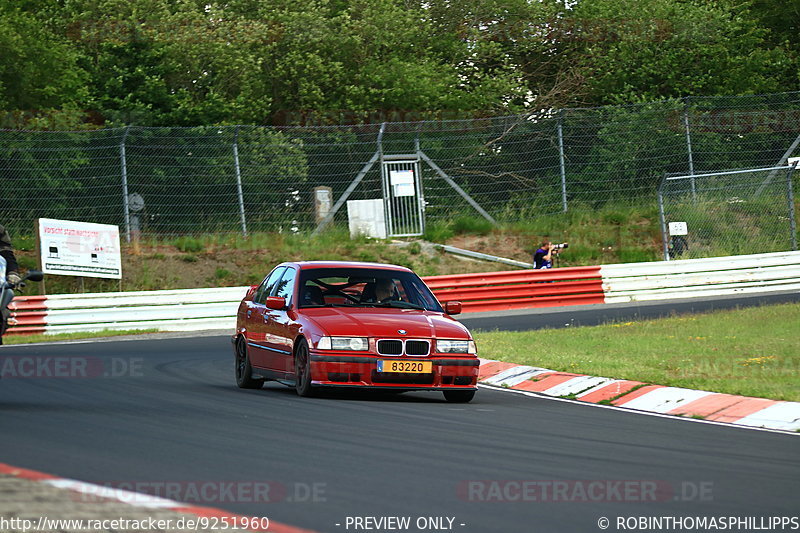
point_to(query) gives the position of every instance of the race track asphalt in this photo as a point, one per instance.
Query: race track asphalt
(172, 417)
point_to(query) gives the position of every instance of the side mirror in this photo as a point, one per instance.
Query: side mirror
(33, 275)
(452, 308)
(276, 302)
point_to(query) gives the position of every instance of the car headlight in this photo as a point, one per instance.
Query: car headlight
(444, 346)
(360, 344)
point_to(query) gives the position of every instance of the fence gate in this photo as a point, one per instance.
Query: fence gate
(403, 199)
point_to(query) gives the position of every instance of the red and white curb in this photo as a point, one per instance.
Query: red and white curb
(141, 500)
(713, 406)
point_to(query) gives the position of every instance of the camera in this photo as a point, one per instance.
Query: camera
(562, 246)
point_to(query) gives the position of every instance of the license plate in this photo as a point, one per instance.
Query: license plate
(406, 367)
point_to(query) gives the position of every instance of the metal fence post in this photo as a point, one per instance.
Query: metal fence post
(124, 165)
(689, 145)
(662, 218)
(562, 162)
(239, 180)
(790, 198)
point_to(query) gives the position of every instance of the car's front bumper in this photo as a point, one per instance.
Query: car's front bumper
(341, 370)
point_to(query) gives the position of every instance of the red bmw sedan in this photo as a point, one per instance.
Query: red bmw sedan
(340, 324)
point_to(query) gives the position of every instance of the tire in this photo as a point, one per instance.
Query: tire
(243, 370)
(459, 396)
(302, 369)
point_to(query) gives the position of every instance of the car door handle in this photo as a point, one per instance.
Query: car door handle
(249, 312)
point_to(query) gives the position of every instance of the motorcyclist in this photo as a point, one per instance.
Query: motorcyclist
(7, 252)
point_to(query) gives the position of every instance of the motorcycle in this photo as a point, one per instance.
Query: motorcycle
(7, 293)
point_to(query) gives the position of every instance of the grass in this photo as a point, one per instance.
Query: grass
(604, 236)
(30, 339)
(750, 352)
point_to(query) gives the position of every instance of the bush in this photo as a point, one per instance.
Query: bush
(189, 245)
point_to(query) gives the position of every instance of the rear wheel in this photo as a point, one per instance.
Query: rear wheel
(244, 372)
(302, 369)
(459, 396)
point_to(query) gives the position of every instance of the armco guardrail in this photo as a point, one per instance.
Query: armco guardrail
(698, 278)
(493, 291)
(197, 309)
(170, 310)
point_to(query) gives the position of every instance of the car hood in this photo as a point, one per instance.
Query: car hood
(379, 322)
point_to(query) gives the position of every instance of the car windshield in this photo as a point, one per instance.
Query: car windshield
(364, 287)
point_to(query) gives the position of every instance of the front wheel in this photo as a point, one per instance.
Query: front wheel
(244, 372)
(302, 369)
(459, 396)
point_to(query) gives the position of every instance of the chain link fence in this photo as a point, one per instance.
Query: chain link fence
(728, 213)
(507, 169)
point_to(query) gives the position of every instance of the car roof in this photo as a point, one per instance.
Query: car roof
(304, 265)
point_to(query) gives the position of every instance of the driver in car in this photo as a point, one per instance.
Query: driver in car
(384, 290)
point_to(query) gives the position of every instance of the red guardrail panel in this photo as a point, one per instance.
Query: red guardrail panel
(38, 318)
(514, 276)
(520, 289)
(28, 302)
(28, 330)
(530, 303)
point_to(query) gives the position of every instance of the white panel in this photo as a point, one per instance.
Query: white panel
(366, 217)
(665, 399)
(700, 265)
(141, 313)
(576, 385)
(784, 415)
(516, 375)
(202, 324)
(167, 297)
(658, 281)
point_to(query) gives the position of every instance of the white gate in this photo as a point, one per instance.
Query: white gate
(403, 196)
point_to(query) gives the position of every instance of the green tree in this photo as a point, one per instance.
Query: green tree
(634, 51)
(39, 72)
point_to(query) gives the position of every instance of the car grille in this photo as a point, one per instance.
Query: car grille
(417, 347)
(390, 347)
(396, 347)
